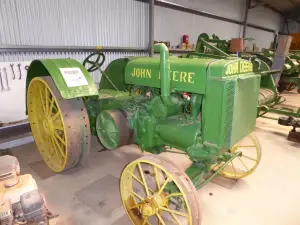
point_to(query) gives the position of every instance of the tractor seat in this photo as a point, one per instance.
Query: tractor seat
(266, 96)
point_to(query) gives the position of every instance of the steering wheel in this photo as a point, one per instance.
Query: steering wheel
(92, 65)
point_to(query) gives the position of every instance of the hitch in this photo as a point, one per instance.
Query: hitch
(294, 135)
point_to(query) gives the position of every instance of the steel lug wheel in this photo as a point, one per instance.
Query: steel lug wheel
(60, 127)
(147, 198)
(246, 163)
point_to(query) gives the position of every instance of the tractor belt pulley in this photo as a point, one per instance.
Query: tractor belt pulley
(113, 129)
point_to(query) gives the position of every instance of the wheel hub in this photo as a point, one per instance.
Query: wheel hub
(150, 206)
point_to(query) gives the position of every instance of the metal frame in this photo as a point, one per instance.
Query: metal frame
(14, 130)
(248, 5)
(151, 27)
(41, 48)
(182, 8)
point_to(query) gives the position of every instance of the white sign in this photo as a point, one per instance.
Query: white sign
(73, 77)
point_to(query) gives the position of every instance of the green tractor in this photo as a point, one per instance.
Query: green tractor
(204, 109)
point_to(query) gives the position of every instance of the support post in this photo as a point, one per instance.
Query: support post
(248, 5)
(151, 27)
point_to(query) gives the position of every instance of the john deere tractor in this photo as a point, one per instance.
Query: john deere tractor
(204, 109)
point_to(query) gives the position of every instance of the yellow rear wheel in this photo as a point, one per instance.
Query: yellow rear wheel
(147, 199)
(60, 127)
(245, 164)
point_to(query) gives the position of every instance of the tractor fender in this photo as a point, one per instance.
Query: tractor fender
(70, 77)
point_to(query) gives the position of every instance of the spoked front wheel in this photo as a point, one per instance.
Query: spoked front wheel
(154, 191)
(247, 162)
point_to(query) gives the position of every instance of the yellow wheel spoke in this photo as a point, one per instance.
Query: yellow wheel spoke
(59, 147)
(174, 195)
(46, 99)
(55, 116)
(59, 138)
(145, 221)
(175, 218)
(243, 163)
(246, 146)
(174, 212)
(51, 106)
(250, 158)
(164, 185)
(135, 206)
(58, 127)
(56, 153)
(138, 180)
(143, 178)
(42, 100)
(233, 167)
(157, 177)
(160, 219)
(136, 194)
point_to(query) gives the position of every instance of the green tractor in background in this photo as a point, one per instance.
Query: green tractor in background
(289, 79)
(204, 109)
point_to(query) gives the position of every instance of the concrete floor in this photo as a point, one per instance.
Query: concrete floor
(89, 194)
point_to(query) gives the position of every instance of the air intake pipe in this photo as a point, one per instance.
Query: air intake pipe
(165, 75)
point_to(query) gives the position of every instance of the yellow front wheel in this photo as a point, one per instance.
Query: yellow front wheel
(147, 196)
(60, 127)
(247, 162)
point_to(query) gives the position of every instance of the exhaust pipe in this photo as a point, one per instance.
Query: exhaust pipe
(165, 81)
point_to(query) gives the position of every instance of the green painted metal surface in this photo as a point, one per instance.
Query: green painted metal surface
(51, 67)
(107, 130)
(185, 73)
(226, 117)
(115, 71)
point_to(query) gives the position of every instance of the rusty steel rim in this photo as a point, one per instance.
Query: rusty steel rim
(60, 127)
(146, 199)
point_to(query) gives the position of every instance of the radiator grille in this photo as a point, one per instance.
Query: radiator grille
(228, 106)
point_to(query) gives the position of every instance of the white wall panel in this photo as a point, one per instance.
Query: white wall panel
(294, 27)
(263, 39)
(230, 8)
(265, 17)
(170, 25)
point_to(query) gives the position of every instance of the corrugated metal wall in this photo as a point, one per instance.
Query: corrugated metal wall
(73, 22)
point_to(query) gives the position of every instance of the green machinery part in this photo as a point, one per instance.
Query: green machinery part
(262, 62)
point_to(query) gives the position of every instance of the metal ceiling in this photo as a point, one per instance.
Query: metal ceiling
(288, 8)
